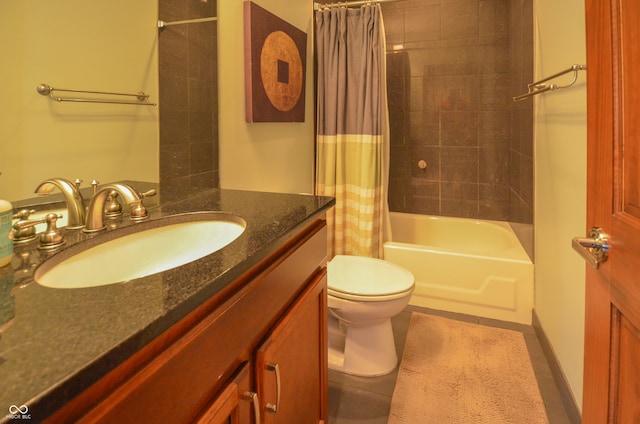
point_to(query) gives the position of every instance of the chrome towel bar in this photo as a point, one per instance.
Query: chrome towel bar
(47, 90)
(541, 86)
(163, 24)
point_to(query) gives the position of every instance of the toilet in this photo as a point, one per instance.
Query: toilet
(363, 294)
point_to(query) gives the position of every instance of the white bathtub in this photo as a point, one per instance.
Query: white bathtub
(464, 265)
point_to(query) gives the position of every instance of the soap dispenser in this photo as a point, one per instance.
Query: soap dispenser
(6, 244)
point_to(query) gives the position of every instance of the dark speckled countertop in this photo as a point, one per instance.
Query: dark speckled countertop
(54, 343)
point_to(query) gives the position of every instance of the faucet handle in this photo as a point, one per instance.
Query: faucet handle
(77, 183)
(138, 210)
(23, 214)
(113, 207)
(51, 238)
(27, 234)
(148, 193)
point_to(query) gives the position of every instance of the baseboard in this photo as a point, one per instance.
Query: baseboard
(563, 386)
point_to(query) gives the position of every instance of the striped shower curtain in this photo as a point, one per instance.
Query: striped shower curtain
(352, 152)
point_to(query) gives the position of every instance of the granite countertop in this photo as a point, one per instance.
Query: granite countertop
(55, 343)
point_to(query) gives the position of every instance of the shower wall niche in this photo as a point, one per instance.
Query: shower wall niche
(453, 67)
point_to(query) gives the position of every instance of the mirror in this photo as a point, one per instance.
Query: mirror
(102, 45)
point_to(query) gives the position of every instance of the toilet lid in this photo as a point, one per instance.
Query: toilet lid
(362, 276)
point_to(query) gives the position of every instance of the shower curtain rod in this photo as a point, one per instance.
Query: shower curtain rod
(318, 6)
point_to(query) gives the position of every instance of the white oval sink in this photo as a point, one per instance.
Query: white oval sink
(179, 240)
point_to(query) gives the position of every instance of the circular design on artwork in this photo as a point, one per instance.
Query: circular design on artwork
(281, 70)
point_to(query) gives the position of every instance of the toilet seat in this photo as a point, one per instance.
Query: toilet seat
(367, 279)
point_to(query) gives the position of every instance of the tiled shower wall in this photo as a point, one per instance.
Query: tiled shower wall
(187, 56)
(453, 67)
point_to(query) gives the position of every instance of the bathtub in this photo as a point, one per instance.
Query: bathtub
(464, 265)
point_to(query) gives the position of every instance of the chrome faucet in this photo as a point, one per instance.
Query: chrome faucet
(96, 210)
(72, 196)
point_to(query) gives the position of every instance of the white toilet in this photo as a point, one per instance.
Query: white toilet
(363, 294)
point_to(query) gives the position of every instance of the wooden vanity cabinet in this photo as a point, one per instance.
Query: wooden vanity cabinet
(290, 373)
(210, 366)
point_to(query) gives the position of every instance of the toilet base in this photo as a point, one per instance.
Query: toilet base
(365, 351)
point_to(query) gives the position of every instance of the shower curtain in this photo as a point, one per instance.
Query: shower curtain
(352, 145)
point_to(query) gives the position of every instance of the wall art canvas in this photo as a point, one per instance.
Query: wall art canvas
(275, 56)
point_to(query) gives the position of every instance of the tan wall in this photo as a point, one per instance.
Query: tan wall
(560, 185)
(262, 156)
(100, 45)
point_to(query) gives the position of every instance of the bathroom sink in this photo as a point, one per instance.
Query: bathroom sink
(156, 246)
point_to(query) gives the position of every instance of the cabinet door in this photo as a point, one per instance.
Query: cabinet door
(291, 365)
(237, 404)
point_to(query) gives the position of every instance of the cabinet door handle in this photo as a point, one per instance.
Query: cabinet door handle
(253, 397)
(271, 407)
